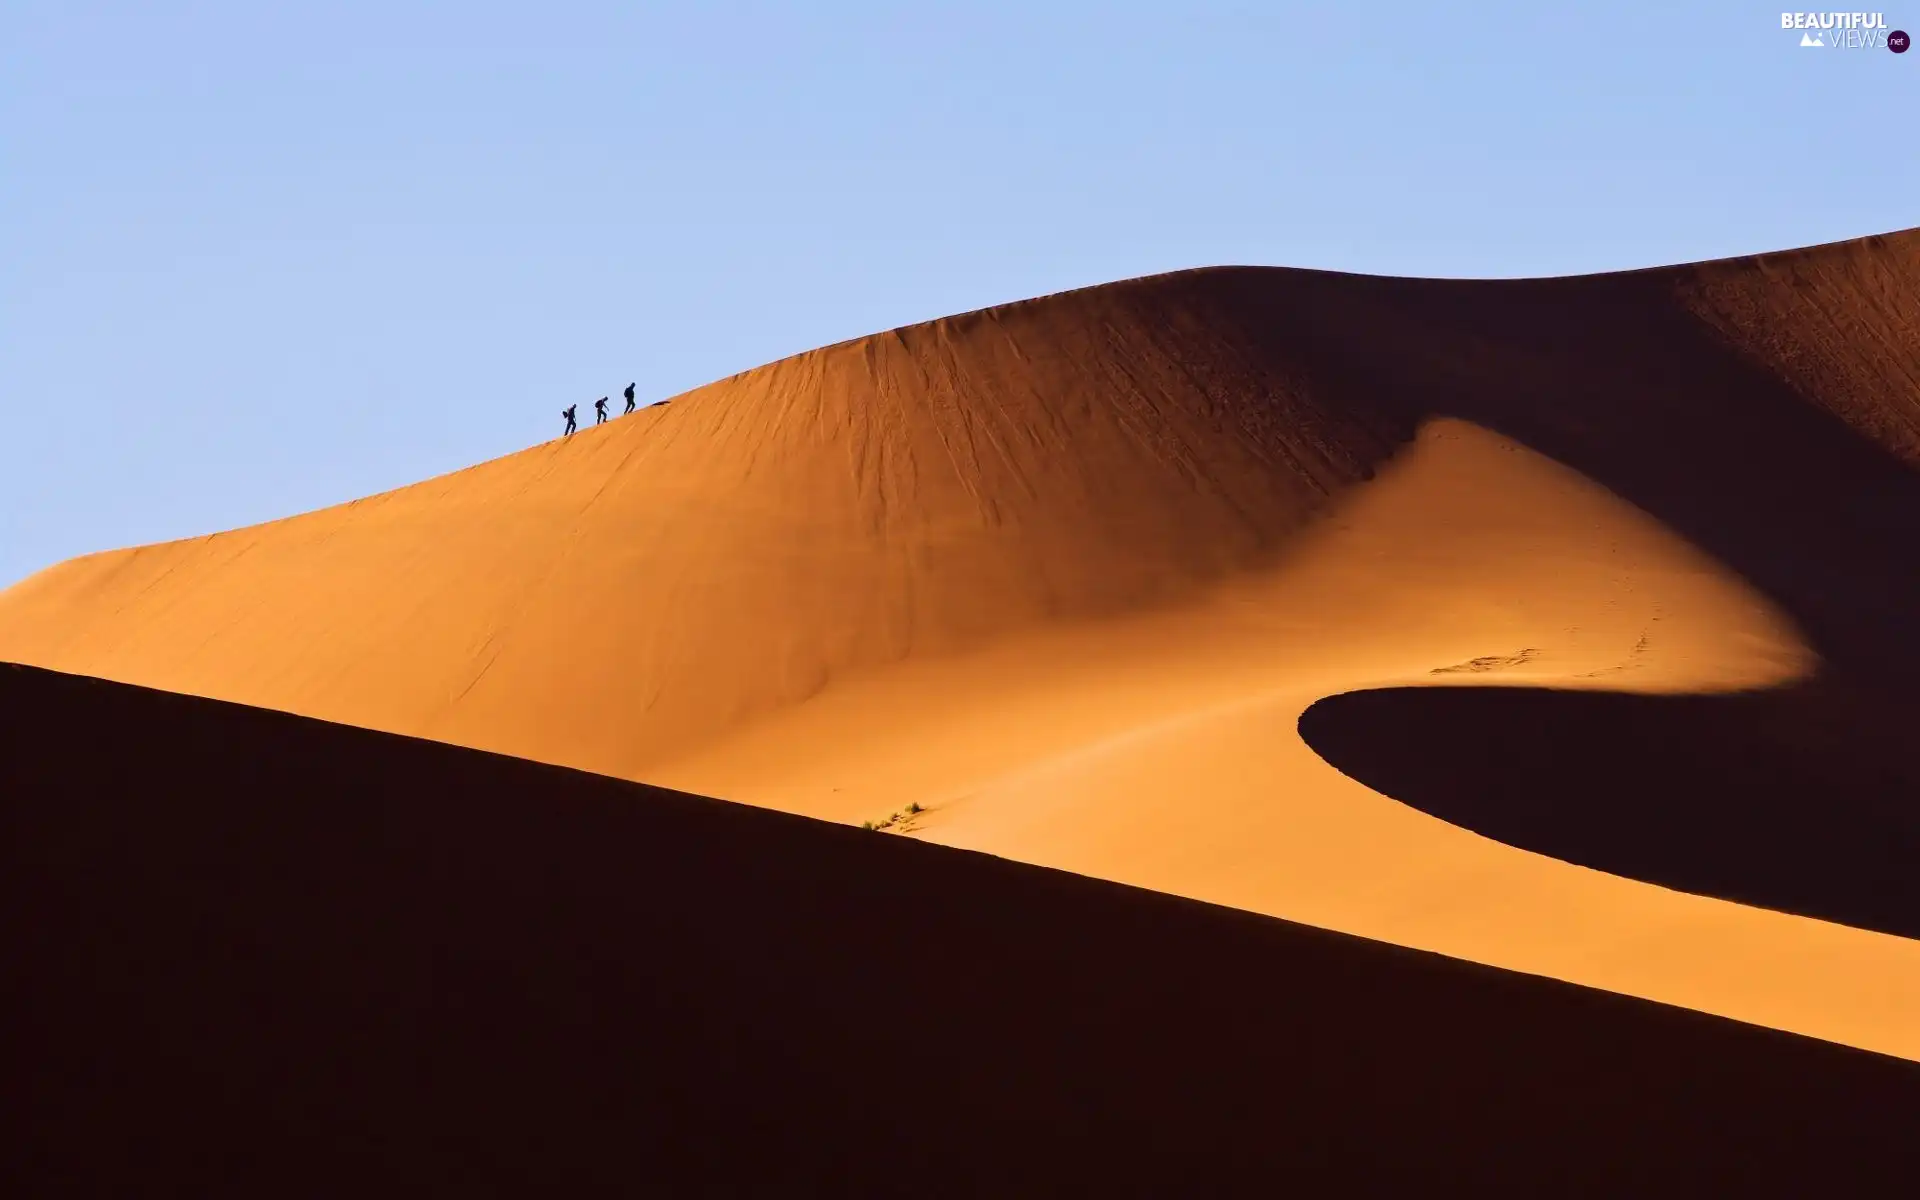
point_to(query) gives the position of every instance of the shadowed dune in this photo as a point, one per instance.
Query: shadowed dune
(253, 953)
(1797, 799)
(1066, 573)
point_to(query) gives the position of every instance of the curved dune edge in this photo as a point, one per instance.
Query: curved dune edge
(1565, 773)
(1163, 751)
(1028, 561)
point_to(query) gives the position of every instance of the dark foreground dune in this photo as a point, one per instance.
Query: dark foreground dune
(251, 953)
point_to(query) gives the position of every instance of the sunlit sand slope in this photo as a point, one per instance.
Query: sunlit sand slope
(1086, 579)
(613, 598)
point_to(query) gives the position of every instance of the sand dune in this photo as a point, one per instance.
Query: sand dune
(1067, 574)
(256, 954)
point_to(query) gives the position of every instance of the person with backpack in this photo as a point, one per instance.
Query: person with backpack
(567, 412)
(600, 411)
(629, 395)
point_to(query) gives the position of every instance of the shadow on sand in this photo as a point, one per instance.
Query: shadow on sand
(1800, 800)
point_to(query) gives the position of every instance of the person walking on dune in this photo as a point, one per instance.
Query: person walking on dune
(629, 395)
(600, 411)
(567, 412)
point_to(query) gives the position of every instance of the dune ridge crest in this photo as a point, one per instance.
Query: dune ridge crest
(916, 492)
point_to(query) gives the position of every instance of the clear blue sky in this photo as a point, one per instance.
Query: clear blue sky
(256, 260)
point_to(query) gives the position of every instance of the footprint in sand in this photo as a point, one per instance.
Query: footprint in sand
(1490, 662)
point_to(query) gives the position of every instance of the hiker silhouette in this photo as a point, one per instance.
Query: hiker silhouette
(600, 410)
(567, 412)
(629, 395)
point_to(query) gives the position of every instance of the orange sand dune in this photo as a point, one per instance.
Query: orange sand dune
(251, 954)
(1076, 576)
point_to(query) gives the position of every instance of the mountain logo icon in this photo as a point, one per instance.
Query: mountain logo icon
(1811, 39)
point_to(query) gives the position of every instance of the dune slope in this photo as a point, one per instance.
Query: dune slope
(609, 599)
(252, 952)
(1068, 573)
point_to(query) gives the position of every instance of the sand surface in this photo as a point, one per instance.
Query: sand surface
(1200, 583)
(255, 954)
